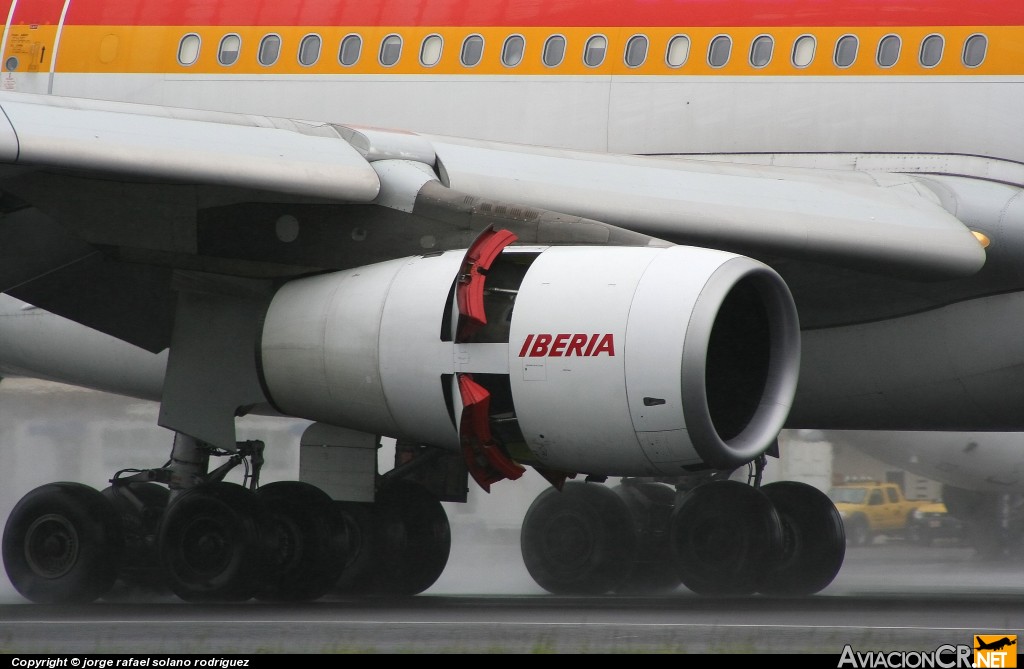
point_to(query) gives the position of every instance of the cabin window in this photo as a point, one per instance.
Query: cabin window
(846, 51)
(351, 47)
(472, 50)
(888, 51)
(761, 50)
(554, 51)
(188, 49)
(309, 50)
(678, 51)
(512, 51)
(270, 49)
(230, 45)
(803, 50)
(594, 51)
(931, 50)
(974, 50)
(719, 51)
(390, 50)
(636, 50)
(430, 50)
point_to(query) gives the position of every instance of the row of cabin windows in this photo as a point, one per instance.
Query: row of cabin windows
(677, 51)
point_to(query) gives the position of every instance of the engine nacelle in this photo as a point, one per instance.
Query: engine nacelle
(599, 360)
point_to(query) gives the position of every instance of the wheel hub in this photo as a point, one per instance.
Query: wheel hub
(568, 542)
(51, 546)
(205, 547)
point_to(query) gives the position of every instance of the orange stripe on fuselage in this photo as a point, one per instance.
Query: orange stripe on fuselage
(153, 49)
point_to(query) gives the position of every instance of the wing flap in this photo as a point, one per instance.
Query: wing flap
(882, 223)
(145, 142)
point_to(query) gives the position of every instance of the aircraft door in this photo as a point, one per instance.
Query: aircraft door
(30, 44)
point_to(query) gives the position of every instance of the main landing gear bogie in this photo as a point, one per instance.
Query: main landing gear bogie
(722, 538)
(222, 542)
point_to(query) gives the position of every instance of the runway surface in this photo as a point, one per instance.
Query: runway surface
(892, 596)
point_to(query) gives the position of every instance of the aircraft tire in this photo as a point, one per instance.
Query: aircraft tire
(358, 573)
(650, 505)
(412, 537)
(724, 533)
(578, 541)
(140, 565)
(62, 544)
(814, 541)
(214, 543)
(310, 546)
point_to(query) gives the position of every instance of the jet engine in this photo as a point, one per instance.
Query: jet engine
(628, 361)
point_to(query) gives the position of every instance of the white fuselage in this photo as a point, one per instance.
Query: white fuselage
(619, 114)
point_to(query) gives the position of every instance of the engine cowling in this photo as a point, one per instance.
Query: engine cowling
(598, 360)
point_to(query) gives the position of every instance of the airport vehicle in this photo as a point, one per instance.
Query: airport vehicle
(933, 523)
(872, 508)
(981, 477)
(594, 239)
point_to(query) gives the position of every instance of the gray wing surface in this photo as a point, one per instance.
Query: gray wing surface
(107, 205)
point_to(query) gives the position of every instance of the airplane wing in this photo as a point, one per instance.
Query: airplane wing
(104, 201)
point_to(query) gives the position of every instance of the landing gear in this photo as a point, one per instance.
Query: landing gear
(413, 539)
(63, 543)
(140, 507)
(721, 537)
(578, 541)
(214, 543)
(308, 543)
(724, 534)
(358, 573)
(813, 541)
(183, 529)
(650, 505)
(399, 546)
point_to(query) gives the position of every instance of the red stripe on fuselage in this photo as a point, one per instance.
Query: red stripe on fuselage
(527, 13)
(37, 12)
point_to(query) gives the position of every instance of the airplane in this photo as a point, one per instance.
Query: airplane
(629, 238)
(982, 477)
(998, 644)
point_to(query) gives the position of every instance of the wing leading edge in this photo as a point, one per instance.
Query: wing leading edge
(114, 198)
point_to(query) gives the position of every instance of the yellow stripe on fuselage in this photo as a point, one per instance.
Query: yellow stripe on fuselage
(153, 49)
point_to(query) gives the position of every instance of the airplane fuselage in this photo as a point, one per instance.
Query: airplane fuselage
(627, 77)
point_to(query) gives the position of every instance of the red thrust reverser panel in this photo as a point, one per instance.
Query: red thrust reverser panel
(470, 289)
(486, 462)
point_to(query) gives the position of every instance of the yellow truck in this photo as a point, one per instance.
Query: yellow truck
(870, 509)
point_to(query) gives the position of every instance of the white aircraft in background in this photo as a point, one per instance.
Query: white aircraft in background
(596, 239)
(982, 477)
